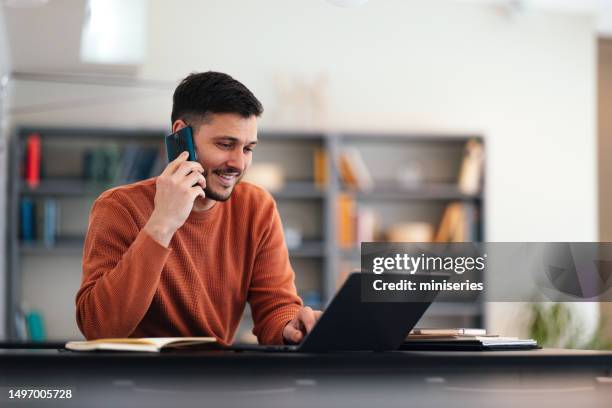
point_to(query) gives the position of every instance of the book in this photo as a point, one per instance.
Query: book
(470, 174)
(28, 220)
(321, 177)
(449, 332)
(32, 160)
(35, 326)
(145, 344)
(49, 222)
(466, 342)
(366, 228)
(346, 208)
(353, 170)
(453, 224)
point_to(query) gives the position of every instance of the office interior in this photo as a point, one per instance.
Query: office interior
(405, 85)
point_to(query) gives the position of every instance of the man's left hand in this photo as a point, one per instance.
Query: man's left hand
(295, 331)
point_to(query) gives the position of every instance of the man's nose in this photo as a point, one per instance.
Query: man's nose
(237, 159)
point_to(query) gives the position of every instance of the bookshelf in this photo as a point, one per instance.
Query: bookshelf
(414, 179)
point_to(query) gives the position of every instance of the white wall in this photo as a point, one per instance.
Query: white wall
(526, 84)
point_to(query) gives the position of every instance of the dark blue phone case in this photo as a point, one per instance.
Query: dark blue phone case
(181, 141)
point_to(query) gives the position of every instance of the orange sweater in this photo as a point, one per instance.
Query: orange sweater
(217, 261)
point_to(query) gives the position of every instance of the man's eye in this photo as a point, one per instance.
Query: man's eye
(225, 145)
(249, 149)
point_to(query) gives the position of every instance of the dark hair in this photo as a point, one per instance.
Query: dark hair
(212, 92)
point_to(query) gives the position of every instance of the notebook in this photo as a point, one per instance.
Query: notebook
(147, 344)
(466, 342)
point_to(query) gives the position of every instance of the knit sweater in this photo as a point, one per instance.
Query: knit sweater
(217, 261)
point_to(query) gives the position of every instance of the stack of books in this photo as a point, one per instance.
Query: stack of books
(463, 339)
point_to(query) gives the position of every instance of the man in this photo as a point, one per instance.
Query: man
(182, 253)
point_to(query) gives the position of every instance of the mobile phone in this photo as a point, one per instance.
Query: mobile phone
(179, 142)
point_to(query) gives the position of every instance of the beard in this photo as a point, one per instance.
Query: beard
(225, 194)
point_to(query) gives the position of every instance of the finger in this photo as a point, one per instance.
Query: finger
(188, 167)
(174, 164)
(202, 182)
(291, 334)
(198, 191)
(192, 179)
(307, 318)
(317, 314)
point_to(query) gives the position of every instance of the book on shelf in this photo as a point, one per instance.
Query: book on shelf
(32, 160)
(366, 224)
(459, 223)
(35, 326)
(27, 215)
(346, 221)
(472, 166)
(321, 176)
(353, 171)
(50, 222)
(39, 220)
(356, 223)
(100, 163)
(145, 344)
(110, 164)
(21, 327)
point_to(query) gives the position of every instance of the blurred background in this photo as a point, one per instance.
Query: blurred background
(464, 120)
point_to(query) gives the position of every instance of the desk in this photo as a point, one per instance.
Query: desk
(547, 377)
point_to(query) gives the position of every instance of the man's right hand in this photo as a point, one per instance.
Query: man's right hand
(177, 187)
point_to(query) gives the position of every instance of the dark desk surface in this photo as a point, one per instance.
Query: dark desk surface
(542, 357)
(546, 377)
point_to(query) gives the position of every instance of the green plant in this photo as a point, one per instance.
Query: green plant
(554, 325)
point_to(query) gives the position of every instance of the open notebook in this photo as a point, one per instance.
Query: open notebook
(150, 344)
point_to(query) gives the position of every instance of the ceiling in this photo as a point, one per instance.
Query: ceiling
(54, 30)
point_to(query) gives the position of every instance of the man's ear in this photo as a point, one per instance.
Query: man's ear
(178, 125)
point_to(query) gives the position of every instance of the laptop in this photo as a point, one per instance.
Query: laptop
(348, 324)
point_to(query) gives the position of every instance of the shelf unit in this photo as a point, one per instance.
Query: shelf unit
(319, 259)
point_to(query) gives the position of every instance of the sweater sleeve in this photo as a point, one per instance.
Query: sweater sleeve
(272, 294)
(121, 271)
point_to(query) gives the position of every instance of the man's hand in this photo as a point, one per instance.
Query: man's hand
(295, 331)
(177, 187)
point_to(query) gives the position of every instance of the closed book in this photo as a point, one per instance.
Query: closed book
(145, 344)
(32, 168)
(470, 174)
(50, 222)
(346, 221)
(320, 168)
(28, 222)
(449, 331)
(465, 342)
(453, 224)
(36, 328)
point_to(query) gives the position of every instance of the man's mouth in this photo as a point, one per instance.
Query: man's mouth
(226, 179)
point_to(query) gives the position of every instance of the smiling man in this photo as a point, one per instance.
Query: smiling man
(182, 253)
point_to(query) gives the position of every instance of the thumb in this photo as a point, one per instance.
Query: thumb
(291, 334)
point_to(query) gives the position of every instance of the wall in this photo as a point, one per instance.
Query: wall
(525, 83)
